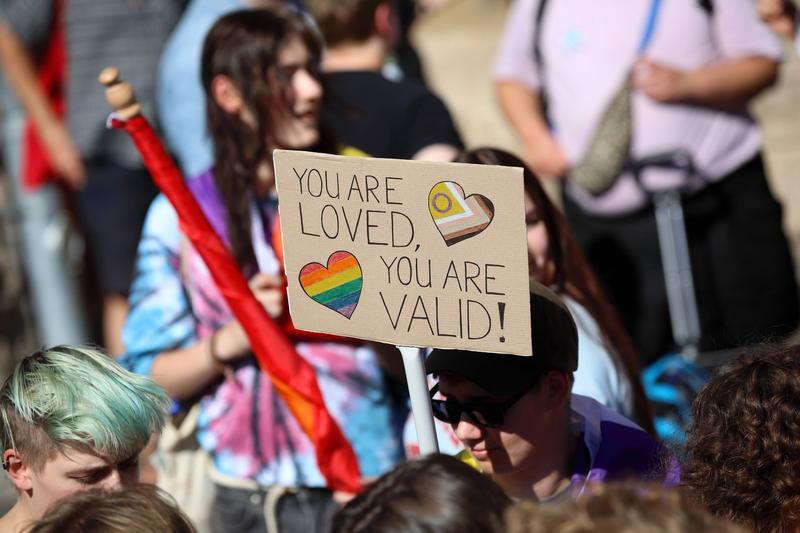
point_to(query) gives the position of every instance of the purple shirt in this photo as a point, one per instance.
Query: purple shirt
(613, 448)
(589, 48)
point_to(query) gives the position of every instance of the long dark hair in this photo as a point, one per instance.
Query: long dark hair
(568, 273)
(244, 46)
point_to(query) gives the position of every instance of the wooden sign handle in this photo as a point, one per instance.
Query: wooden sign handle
(119, 94)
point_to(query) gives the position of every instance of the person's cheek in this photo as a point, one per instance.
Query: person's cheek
(517, 449)
(113, 481)
(532, 243)
(50, 493)
(537, 244)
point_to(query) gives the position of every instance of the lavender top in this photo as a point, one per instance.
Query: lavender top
(589, 48)
(614, 448)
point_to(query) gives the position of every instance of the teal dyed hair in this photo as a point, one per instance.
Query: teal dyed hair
(78, 398)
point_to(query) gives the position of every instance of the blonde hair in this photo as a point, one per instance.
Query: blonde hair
(136, 509)
(617, 508)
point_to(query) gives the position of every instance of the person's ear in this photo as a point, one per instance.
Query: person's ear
(557, 387)
(17, 470)
(227, 95)
(386, 24)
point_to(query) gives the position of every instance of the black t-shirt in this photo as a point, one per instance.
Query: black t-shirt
(384, 118)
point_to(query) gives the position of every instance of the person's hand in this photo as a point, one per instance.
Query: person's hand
(547, 159)
(779, 15)
(660, 83)
(64, 156)
(231, 342)
(268, 289)
(342, 498)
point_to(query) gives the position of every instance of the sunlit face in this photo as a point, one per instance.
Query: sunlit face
(538, 243)
(76, 471)
(296, 124)
(511, 447)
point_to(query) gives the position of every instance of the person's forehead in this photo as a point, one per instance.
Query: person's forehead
(530, 205)
(293, 51)
(71, 459)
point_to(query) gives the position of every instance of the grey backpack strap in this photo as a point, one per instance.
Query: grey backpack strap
(707, 6)
(537, 55)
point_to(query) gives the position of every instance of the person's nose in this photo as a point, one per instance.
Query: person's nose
(114, 481)
(129, 476)
(307, 87)
(466, 430)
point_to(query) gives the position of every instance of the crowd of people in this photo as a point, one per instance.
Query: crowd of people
(561, 441)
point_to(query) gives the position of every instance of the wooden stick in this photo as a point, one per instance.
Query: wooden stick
(119, 94)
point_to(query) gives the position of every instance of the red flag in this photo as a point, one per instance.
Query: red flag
(36, 166)
(292, 376)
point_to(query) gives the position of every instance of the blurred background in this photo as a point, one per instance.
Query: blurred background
(456, 41)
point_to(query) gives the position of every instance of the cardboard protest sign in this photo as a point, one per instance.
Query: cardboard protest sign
(406, 252)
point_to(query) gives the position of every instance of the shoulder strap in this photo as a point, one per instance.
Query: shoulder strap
(537, 34)
(537, 54)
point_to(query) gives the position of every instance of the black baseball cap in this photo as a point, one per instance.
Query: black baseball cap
(554, 344)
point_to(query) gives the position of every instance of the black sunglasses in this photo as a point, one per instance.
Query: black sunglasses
(484, 414)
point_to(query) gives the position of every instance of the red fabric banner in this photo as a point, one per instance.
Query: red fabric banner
(291, 375)
(36, 166)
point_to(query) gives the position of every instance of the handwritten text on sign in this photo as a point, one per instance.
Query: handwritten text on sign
(405, 252)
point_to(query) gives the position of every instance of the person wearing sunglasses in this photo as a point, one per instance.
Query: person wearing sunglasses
(520, 423)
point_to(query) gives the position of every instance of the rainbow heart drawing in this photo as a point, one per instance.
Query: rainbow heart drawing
(458, 217)
(337, 286)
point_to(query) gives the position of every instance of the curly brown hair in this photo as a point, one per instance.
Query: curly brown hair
(743, 447)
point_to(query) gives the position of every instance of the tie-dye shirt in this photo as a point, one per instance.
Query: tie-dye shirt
(243, 423)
